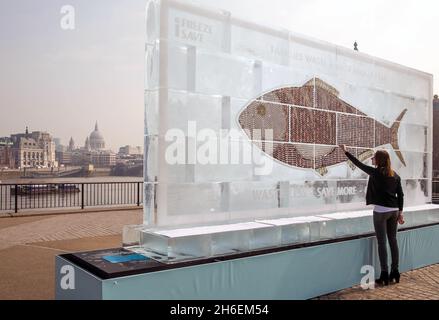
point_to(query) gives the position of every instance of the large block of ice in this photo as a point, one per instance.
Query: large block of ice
(321, 228)
(208, 67)
(131, 235)
(265, 237)
(415, 217)
(293, 230)
(234, 240)
(352, 223)
(176, 245)
(309, 228)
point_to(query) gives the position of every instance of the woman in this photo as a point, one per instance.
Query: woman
(385, 192)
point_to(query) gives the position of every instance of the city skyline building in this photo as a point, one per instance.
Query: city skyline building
(93, 152)
(33, 150)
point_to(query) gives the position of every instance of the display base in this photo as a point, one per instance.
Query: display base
(285, 273)
(174, 245)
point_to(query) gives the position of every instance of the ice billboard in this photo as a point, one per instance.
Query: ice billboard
(243, 121)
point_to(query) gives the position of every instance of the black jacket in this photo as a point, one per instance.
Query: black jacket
(381, 190)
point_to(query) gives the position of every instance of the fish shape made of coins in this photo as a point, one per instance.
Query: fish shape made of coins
(307, 124)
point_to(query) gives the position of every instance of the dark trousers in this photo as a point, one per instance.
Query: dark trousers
(386, 224)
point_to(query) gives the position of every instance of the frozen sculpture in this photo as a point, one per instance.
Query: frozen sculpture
(242, 124)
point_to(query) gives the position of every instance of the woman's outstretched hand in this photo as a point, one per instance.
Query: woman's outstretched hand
(343, 147)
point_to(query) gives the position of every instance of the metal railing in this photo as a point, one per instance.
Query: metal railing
(15, 197)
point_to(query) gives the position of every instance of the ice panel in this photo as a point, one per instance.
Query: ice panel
(354, 68)
(149, 241)
(152, 21)
(355, 96)
(191, 247)
(403, 81)
(350, 224)
(267, 237)
(420, 218)
(192, 113)
(379, 106)
(224, 243)
(152, 66)
(177, 248)
(193, 199)
(223, 160)
(319, 228)
(323, 229)
(412, 138)
(295, 233)
(233, 161)
(313, 57)
(420, 113)
(181, 66)
(311, 197)
(259, 43)
(131, 235)
(415, 166)
(415, 192)
(253, 196)
(277, 76)
(417, 113)
(293, 230)
(222, 74)
(170, 65)
(351, 191)
(200, 27)
(151, 118)
(151, 144)
(354, 226)
(149, 203)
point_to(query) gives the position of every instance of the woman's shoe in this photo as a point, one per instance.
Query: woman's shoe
(394, 275)
(383, 280)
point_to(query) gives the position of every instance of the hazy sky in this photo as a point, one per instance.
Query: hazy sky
(63, 81)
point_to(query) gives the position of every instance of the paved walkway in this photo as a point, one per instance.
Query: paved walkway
(25, 230)
(28, 246)
(422, 284)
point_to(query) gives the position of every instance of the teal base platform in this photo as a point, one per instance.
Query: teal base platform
(296, 274)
